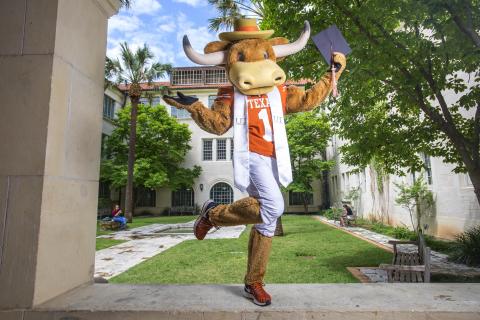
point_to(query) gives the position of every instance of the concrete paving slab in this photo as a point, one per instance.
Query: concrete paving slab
(292, 301)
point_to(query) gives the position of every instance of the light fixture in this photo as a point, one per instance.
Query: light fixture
(201, 186)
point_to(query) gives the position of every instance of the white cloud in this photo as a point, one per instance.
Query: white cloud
(167, 27)
(193, 3)
(198, 36)
(123, 23)
(149, 7)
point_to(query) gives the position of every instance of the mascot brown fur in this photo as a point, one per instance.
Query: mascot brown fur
(249, 58)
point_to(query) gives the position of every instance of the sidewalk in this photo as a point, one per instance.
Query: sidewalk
(440, 263)
(145, 242)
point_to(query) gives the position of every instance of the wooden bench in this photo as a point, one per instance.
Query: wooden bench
(110, 225)
(409, 266)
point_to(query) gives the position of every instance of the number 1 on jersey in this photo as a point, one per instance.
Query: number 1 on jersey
(263, 115)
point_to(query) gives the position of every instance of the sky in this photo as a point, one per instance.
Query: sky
(161, 24)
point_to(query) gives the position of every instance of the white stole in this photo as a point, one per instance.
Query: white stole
(241, 158)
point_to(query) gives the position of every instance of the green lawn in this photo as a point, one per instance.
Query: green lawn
(138, 222)
(106, 243)
(310, 252)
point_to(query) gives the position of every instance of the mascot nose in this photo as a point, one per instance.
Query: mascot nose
(246, 81)
(278, 77)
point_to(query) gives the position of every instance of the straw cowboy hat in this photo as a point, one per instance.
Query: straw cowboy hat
(245, 28)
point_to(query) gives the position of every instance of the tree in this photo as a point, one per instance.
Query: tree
(308, 135)
(162, 144)
(416, 197)
(229, 10)
(407, 56)
(135, 68)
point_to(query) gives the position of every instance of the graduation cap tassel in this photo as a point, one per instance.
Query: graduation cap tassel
(334, 82)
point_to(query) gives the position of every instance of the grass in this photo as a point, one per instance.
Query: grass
(106, 243)
(137, 222)
(310, 252)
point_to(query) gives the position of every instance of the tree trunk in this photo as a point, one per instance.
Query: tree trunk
(279, 228)
(305, 204)
(131, 160)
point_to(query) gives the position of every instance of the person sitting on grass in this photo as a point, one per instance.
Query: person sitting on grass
(116, 216)
(347, 214)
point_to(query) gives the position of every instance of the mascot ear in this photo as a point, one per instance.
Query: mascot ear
(216, 46)
(278, 41)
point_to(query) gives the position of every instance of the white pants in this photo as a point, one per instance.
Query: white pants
(264, 186)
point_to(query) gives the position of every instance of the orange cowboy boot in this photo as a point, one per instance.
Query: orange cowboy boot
(259, 247)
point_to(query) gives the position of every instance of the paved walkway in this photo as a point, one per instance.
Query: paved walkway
(145, 242)
(440, 263)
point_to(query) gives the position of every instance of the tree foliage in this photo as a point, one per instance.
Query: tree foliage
(162, 144)
(229, 10)
(413, 80)
(308, 134)
(417, 199)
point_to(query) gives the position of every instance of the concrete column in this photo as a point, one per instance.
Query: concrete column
(52, 57)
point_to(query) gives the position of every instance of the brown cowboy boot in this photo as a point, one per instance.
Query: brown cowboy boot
(259, 247)
(243, 211)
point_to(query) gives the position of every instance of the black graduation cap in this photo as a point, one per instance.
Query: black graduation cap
(331, 40)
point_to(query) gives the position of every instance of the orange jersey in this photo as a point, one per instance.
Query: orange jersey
(260, 127)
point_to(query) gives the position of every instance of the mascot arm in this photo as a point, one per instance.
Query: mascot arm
(216, 120)
(299, 100)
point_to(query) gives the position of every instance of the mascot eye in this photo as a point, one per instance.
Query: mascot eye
(265, 55)
(241, 57)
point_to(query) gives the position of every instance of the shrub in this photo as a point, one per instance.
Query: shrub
(466, 248)
(403, 233)
(332, 213)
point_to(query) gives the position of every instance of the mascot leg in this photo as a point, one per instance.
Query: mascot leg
(259, 247)
(240, 212)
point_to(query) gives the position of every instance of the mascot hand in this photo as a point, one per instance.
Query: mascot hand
(339, 61)
(181, 101)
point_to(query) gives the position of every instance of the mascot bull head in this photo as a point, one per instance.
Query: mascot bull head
(250, 63)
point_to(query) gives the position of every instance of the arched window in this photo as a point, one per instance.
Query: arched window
(183, 198)
(221, 193)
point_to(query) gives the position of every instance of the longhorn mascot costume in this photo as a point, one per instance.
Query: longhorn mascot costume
(255, 106)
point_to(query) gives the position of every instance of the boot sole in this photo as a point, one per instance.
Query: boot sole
(255, 301)
(202, 214)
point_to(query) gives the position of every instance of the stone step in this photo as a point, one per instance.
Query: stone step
(291, 301)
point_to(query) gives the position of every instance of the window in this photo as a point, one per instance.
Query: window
(181, 113)
(183, 198)
(231, 149)
(145, 197)
(211, 100)
(186, 77)
(108, 107)
(428, 168)
(215, 76)
(146, 101)
(207, 150)
(221, 193)
(103, 146)
(221, 149)
(104, 190)
(297, 198)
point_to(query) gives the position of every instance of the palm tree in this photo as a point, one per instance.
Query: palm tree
(135, 68)
(126, 3)
(229, 10)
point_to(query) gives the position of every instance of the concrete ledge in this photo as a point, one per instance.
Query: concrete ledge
(302, 301)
